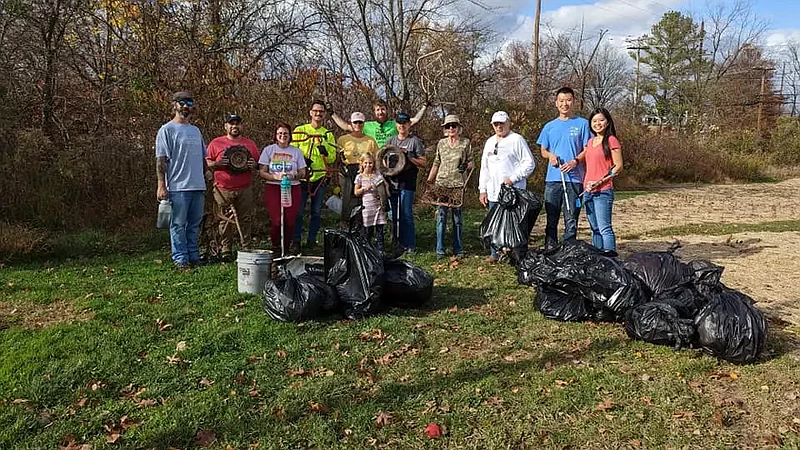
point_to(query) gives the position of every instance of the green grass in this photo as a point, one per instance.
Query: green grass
(478, 360)
(721, 229)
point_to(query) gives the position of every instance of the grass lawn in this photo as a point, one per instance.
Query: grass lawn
(118, 350)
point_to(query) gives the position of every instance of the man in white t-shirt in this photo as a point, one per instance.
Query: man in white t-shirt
(506, 159)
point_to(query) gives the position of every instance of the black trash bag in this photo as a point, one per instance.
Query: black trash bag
(509, 224)
(579, 270)
(659, 270)
(685, 298)
(295, 299)
(600, 278)
(660, 324)
(355, 223)
(407, 285)
(558, 302)
(730, 326)
(706, 272)
(354, 267)
(317, 270)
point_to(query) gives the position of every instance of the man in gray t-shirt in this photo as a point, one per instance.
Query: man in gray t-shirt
(180, 159)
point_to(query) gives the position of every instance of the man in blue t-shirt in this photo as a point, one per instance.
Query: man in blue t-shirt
(562, 140)
(180, 170)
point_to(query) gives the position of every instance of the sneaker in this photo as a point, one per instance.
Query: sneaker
(440, 256)
(196, 263)
(461, 255)
(182, 266)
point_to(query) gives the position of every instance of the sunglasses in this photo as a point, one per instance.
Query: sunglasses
(319, 111)
(358, 122)
(495, 148)
(186, 102)
(451, 126)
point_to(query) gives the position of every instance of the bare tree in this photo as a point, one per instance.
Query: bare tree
(609, 79)
(578, 49)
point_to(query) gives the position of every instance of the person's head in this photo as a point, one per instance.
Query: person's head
(283, 134)
(367, 162)
(233, 126)
(451, 125)
(357, 120)
(403, 121)
(381, 111)
(501, 123)
(603, 125)
(317, 112)
(183, 104)
(565, 97)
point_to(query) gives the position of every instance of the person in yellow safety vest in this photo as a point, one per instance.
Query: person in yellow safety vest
(318, 145)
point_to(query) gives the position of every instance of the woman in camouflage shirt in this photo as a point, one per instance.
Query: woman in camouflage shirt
(452, 162)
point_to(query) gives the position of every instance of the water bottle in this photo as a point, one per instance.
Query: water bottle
(164, 213)
(286, 192)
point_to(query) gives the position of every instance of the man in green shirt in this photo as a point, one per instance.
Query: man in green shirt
(318, 145)
(380, 129)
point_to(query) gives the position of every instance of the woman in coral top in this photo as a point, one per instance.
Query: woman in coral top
(603, 156)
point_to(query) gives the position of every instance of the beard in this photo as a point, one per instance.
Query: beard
(185, 113)
(234, 132)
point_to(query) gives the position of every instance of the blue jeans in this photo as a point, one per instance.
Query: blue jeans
(184, 225)
(554, 206)
(492, 251)
(598, 212)
(441, 227)
(408, 235)
(316, 211)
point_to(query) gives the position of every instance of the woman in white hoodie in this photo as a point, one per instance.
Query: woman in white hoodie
(506, 159)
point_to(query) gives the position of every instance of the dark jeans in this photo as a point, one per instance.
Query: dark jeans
(554, 206)
(403, 199)
(441, 228)
(378, 231)
(314, 223)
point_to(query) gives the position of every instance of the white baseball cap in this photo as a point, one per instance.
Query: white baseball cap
(357, 117)
(500, 116)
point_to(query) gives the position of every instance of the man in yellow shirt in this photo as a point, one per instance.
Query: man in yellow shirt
(319, 148)
(353, 145)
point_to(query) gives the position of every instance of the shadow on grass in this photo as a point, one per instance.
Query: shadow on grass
(445, 297)
(702, 250)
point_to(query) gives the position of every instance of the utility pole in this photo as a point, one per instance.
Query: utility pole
(761, 96)
(535, 74)
(638, 47)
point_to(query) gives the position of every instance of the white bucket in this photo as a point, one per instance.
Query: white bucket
(253, 270)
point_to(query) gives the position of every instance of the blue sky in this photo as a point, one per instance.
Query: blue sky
(623, 18)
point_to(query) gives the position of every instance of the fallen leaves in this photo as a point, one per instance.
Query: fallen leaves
(605, 405)
(383, 419)
(163, 326)
(205, 438)
(388, 358)
(433, 431)
(318, 372)
(319, 408)
(115, 430)
(70, 444)
(180, 346)
(374, 335)
(683, 415)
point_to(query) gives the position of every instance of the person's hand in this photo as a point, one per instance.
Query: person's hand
(470, 166)
(161, 193)
(553, 160)
(592, 185)
(569, 166)
(329, 109)
(484, 199)
(252, 164)
(223, 162)
(508, 182)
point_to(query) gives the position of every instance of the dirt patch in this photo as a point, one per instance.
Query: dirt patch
(34, 315)
(748, 203)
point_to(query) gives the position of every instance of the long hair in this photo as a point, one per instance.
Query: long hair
(610, 130)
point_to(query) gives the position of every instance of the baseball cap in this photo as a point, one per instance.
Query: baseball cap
(500, 116)
(451, 118)
(402, 118)
(357, 117)
(182, 95)
(233, 118)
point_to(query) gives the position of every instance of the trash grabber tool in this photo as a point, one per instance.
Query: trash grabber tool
(564, 186)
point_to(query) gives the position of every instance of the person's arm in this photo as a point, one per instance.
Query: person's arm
(420, 114)
(616, 156)
(483, 178)
(437, 161)
(162, 147)
(330, 146)
(341, 123)
(526, 164)
(357, 189)
(420, 160)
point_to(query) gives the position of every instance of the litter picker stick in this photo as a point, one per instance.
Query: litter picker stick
(564, 186)
(283, 239)
(608, 176)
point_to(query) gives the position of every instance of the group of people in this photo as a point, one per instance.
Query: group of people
(583, 157)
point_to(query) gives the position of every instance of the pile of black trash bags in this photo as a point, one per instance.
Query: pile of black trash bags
(657, 297)
(507, 226)
(355, 281)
